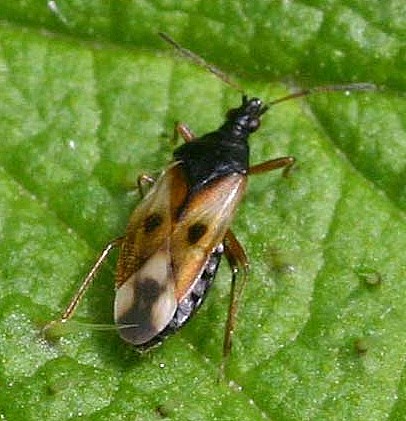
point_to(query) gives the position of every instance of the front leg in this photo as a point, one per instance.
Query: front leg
(285, 162)
(181, 129)
(142, 180)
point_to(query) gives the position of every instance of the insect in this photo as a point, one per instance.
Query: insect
(171, 250)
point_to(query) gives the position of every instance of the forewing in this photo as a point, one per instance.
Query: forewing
(150, 224)
(146, 302)
(169, 238)
(145, 299)
(201, 227)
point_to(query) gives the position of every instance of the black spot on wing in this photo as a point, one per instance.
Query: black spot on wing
(147, 292)
(152, 222)
(196, 232)
(139, 316)
(192, 302)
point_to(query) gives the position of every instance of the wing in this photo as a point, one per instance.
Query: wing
(151, 223)
(201, 228)
(145, 298)
(170, 236)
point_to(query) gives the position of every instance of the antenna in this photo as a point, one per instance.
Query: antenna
(190, 55)
(350, 87)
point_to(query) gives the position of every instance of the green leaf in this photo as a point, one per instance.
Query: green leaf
(89, 96)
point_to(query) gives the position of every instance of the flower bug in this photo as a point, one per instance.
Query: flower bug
(185, 220)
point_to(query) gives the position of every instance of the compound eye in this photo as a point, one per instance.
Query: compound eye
(254, 125)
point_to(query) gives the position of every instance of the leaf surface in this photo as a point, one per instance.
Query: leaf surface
(89, 96)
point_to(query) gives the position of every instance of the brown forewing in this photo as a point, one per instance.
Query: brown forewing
(151, 223)
(201, 227)
(189, 226)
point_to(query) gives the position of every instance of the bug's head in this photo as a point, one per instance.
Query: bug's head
(246, 118)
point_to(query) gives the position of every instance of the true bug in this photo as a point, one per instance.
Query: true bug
(171, 251)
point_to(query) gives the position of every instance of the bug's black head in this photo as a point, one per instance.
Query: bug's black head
(246, 118)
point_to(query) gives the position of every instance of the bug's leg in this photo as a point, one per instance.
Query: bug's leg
(142, 180)
(238, 262)
(285, 162)
(72, 306)
(181, 129)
